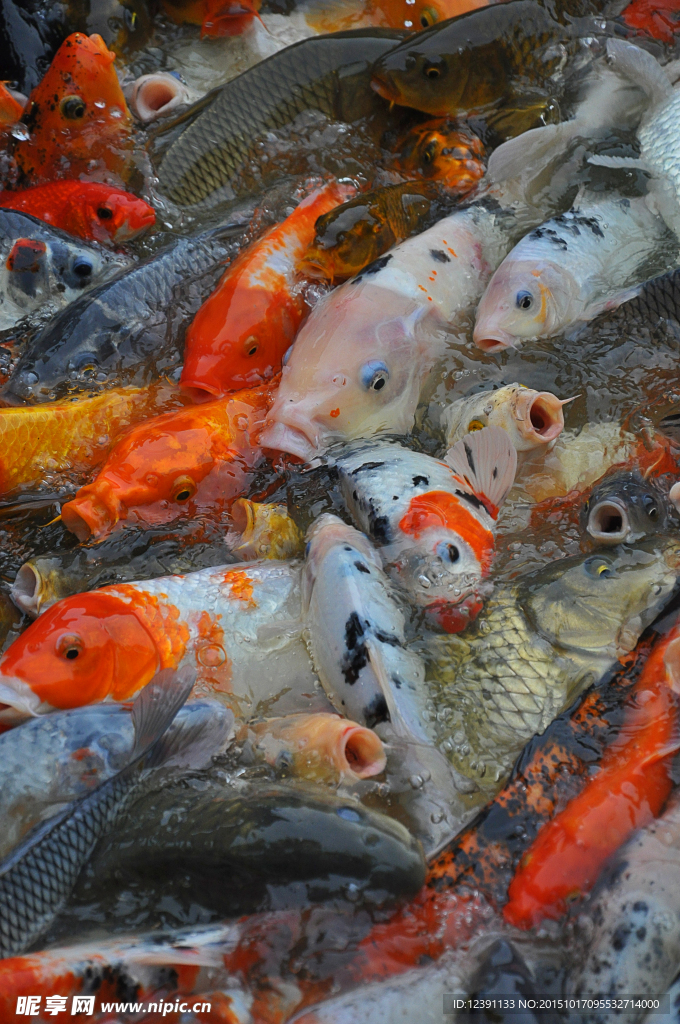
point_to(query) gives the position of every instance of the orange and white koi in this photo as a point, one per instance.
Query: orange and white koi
(240, 334)
(107, 644)
(434, 522)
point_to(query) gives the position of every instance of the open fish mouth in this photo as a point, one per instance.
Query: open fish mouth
(608, 522)
(18, 701)
(543, 419)
(494, 341)
(284, 438)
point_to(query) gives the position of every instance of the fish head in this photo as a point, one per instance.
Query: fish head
(228, 17)
(264, 531)
(531, 418)
(524, 300)
(123, 26)
(345, 241)
(347, 376)
(83, 649)
(423, 72)
(446, 151)
(600, 603)
(623, 508)
(117, 216)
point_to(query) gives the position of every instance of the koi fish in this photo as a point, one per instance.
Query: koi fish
(47, 443)
(339, 15)
(11, 108)
(180, 464)
(216, 17)
(445, 151)
(264, 531)
(242, 331)
(314, 746)
(87, 209)
(623, 508)
(532, 419)
(434, 521)
(108, 643)
(657, 18)
(77, 117)
(630, 789)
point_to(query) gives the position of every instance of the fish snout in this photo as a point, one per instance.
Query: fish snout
(539, 416)
(93, 513)
(289, 428)
(157, 95)
(608, 522)
(17, 700)
(492, 339)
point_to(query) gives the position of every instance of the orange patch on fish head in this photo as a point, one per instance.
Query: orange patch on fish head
(118, 216)
(437, 510)
(83, 649)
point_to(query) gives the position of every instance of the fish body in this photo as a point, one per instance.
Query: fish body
(539, 643)
(329, 74)
(502, 53)
(88, 209)
(128, 329)
(70, 753)
(568, 269)
(532, 419)
(235, 625)
(445, 151)
(44, 267)
(180, 464)
(77, 116)
(58, 440)
(242, 331)
(629, 790)
(355, 234)
(37, 877)
(623, 508)
(217, 18)
(359, 362)
(433, 521)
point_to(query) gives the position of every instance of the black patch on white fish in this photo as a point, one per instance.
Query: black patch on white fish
(551, 236)
(574, 221)
(373, 268)
(440, 256)
(417, 480)
(361, 567)
(365, 466)
(471, 499)
(376, 712)
(356, 656)
(469, 456)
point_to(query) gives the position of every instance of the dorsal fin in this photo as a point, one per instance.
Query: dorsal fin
(486, 462)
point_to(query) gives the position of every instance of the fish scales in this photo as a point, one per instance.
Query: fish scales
(305, 76)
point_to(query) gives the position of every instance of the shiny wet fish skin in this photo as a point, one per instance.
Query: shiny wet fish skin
(538, 643)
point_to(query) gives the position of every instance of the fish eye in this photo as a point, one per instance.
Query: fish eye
(104, 213)
(448, 552)
(431, 71)
(428, 16)
(374, 375)
(598, 567)
(69, 646)
(524, 300)
(251, 346)
(649, 506)
(475, 425)
(430, 152)
(82, 267)
(72, 107)
(183, 489)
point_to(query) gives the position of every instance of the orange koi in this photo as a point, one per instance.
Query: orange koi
(77, 116)
(240, 334)
(87, 209)
(405, 14)
(630, 790)
(183, 463)
(71, 438)
(10, 107)
(216, 17)
(445, 151)
(657, 18)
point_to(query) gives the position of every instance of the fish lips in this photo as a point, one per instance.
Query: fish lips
(283, 438)
(493, 341)
(18, 702)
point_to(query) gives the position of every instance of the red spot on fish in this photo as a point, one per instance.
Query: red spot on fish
(437, 509)
(25, 256)
(454, 618)
(334, 413)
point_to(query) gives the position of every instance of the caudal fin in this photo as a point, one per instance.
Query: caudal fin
(485, 462)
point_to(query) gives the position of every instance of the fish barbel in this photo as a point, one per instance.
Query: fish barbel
(532, 419)
(329, 74)
(539, 642)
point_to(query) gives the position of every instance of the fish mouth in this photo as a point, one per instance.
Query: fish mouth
(26, 590)
(314, 269)
(155, 96)
(283, 438)
(493, 341)
(87, 518)
(541, 420)
(674, 495)
(453, 618)
(18, 702)
(199, 392)
(125, 232)
(361, 752)
(608, 522)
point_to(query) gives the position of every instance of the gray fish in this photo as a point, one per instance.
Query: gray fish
(624, 508)
(329, 73)
(127, 330)
(41, 266)
(39, 874)
(72, 752)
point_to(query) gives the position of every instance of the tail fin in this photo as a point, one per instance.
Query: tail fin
(486, 462)
(157, 705)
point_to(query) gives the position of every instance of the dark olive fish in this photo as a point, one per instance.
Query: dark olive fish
(37, 877)
(127, 330)
(623, 508)
(329, 74)
(233, 842)
(507, 53)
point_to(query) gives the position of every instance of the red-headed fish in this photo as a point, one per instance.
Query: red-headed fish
(240, 334)
(88, 209)
(77, 117)
(199, 459)
(630, 789)
(216, 17)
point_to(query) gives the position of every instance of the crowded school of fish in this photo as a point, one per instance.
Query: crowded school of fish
(339, 510)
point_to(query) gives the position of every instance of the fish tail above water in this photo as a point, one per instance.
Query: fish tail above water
(39, 874)
(486, 462)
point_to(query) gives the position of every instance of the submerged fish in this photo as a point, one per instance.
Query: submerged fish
(360, 361)
(216, 17)
(623, 508)
(241, 332)
(45, 268)
(540, 642)
(237, 626)
(568, 269)
(60, 441)
(434, 521)
(353, 235)
(72, 752)
(630, 788)
(127, 330)
(184, 463)
(87, 209)
(39, 874)
(329, 74)
(264, 531)
(77, 117)
(444, 150)
(657, 18)
(532, 419)
(316, 746)
(414, 15)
